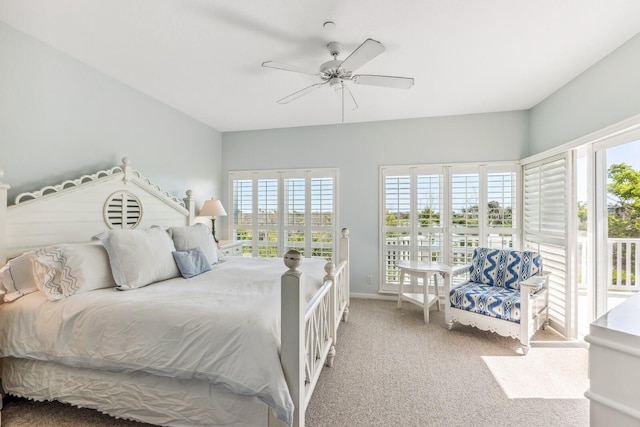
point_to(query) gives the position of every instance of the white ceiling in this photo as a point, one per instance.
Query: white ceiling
(204, 57)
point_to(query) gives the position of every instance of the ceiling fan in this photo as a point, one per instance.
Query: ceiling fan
(336, 73)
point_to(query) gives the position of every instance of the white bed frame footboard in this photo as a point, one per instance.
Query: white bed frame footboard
(73, 211)
(309, 331)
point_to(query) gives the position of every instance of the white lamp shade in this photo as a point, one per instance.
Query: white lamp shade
(212, 208)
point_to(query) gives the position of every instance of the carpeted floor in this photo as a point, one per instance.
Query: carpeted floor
(391, 369)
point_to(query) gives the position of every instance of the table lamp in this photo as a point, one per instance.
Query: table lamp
(213, 208)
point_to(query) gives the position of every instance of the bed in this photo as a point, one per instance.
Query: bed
(116, 326)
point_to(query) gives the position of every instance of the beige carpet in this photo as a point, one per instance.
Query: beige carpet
(545, 373)
(392, 369)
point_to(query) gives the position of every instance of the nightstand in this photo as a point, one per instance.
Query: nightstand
(230, 248)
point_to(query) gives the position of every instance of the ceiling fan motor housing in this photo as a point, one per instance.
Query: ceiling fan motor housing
(333, 68)
(334, 49)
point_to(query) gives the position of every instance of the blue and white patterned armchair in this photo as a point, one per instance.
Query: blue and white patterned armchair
(499, 281)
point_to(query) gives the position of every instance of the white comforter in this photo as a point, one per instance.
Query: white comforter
(222, 326)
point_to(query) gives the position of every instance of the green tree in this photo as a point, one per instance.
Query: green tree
(582, 216)
(624, 209)
(624, 191)
(428, 217)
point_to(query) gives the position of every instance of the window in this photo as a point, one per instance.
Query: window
(275, 211)
(442, 212)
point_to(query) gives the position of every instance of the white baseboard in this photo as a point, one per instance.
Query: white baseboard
(373, 296)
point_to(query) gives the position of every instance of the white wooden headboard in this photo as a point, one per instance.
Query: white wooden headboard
(75, 210)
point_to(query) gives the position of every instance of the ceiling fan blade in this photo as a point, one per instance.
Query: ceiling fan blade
(287, 67)
(363, 54)
(383, 81)
(300, 93)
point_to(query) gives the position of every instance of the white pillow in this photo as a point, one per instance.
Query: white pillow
(139, 257)
(196, 236)
(64, 270)
(17, 277)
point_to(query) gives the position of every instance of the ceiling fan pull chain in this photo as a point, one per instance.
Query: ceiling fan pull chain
(353, 98)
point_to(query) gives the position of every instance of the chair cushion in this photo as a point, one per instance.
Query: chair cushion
(504, 268)
(488, 300)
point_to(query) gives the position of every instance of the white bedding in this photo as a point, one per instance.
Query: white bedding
(222, 327)
(166, 401)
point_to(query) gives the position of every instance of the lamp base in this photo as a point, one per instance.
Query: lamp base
(213, 229)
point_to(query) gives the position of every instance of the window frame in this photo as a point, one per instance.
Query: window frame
(282, 225)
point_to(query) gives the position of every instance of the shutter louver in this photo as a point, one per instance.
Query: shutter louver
(122, 210)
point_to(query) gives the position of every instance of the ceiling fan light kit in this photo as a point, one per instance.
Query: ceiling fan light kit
(336, 73)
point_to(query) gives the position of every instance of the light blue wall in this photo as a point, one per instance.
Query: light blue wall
(358, 150)
(605, 94)
(60, 118)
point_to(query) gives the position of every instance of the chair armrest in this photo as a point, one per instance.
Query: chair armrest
(536, 283)
(454, 271)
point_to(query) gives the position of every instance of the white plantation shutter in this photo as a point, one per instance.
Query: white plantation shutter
(545, 229)
(501, 219)
(465, 215)
(429, 216)
(396, 223)
(441, 213)
(322, 220)
(267, 214)
(275, 211)
(295, 197)
(242, 213)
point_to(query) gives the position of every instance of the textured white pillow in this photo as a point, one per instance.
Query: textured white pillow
(17, 277)
(196, 236)
(139, 257)
(67, 269)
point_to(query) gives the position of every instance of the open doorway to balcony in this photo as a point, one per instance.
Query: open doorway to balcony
(608, 227)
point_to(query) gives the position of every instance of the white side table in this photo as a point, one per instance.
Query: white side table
(423, 270)
(230, 248)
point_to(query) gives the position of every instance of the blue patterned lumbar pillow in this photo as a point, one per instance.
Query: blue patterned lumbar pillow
(191, 262)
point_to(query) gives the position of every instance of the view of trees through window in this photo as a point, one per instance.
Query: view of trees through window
(623, 218)
(274, 212)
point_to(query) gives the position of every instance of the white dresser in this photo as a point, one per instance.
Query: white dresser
(614, 366)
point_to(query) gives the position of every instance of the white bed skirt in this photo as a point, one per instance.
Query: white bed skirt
(138, 396)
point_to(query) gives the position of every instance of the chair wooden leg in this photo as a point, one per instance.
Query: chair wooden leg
(449, 325)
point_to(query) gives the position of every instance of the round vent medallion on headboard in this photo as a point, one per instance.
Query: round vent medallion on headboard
(122, 210)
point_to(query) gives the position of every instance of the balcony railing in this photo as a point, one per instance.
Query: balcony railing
(623, 266)
(623, 259)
